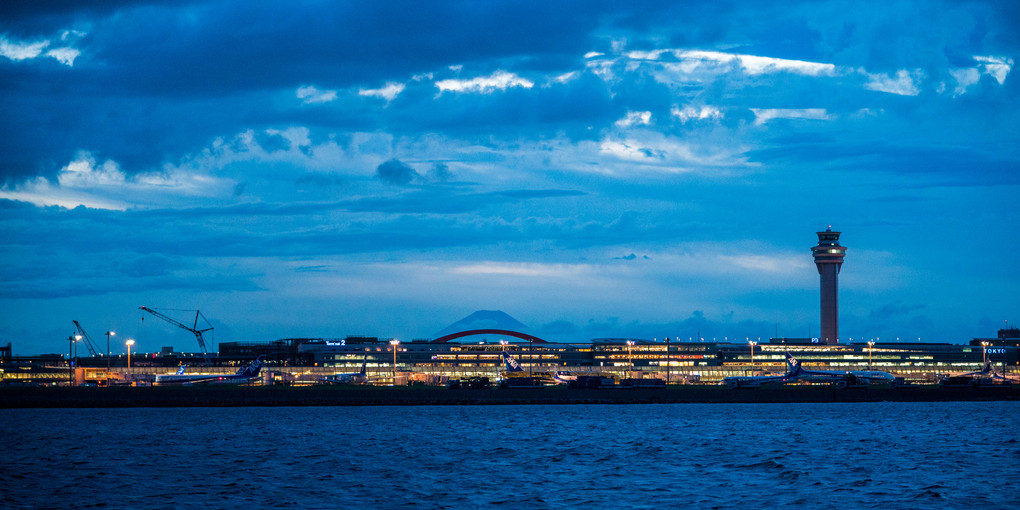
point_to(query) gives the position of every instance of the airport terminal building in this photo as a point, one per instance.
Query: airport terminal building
(677, 361)
(685, 360)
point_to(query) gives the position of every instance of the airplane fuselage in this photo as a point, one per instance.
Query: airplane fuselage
(346, 379)
(797, 373)
(201, 379)
(564, 377)
(848, 377)
(754, 381)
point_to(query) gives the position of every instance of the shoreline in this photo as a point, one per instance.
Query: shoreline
(272, 396)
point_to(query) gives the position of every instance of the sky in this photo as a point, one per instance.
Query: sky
(386, 168)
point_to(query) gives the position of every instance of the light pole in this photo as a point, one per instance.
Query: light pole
(394, 343)
(984, 357)
(752, 343)
(70, 360)
(499, 360)
(1004, 356)
(108, 335)
(630, 354)
(667, 360)
(871, 347)
(531, 356)
(129, 343)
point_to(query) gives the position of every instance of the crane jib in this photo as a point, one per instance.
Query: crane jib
(194, 329)
(93, 349)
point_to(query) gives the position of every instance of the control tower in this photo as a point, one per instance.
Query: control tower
(829, 259)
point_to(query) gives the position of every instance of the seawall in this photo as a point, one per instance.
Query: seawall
(229, 396)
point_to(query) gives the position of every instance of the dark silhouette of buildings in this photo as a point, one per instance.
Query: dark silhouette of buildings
(829, 259)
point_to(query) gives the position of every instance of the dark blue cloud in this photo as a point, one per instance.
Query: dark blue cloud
(538, 112)
(274, 45)
(396, 173)
(156, 81)
(440, 172)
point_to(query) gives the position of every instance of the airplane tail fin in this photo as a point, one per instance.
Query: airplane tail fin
(993, 372)
(792, 365)
(180, 370)
(254, 368)
(512, 365)
(364, 364)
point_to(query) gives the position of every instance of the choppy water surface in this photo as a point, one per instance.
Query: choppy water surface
(872, 455)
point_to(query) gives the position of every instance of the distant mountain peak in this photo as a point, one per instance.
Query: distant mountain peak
(484, 319)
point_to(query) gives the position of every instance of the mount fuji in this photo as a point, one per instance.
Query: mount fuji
(484, 319)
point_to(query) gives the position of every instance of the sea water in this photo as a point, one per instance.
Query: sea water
(836, 455)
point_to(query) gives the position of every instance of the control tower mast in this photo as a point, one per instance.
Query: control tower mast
(829, 259)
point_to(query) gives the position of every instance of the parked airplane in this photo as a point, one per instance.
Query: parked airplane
(840, 379)
(755, 381)
(512, 365)
(243, 375)
(1004, 378)
(795, 372)
(354, 378)
(986, 370)
(987, 375)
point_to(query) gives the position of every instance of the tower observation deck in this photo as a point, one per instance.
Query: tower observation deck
(829, 259)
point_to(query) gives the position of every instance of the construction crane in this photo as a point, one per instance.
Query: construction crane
(193, 329)
(93, 350)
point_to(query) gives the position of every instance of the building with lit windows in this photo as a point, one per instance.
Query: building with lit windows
(687, 361)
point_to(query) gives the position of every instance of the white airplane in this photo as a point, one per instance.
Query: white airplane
(563, 377)
(986, 370)
(1003, 378)
(755, 381)
(996, 375)
(354, 378)
(243, 375)
(840, 379)
(797, 373)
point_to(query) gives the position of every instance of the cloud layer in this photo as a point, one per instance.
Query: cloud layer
(590, 168)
